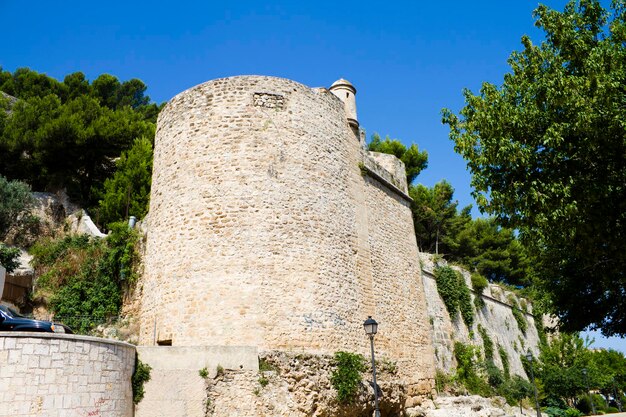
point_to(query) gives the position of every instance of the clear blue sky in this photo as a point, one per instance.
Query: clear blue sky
(407, 59)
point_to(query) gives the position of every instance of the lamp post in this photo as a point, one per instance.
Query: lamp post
(529, 357)
(371, 327)
(593, 406)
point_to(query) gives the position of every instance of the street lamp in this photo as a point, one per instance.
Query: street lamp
(529, 357)
(371, 327)
(593, 406)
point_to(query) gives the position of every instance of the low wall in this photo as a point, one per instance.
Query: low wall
(175, 388)
(58, 375)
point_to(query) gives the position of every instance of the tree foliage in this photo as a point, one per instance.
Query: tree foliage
(492, 251)
(415, 161)
(547, 153)
(127, 192)
(436, 217)
(68, 134)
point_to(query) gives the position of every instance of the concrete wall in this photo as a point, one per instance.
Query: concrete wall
(175, 388)
(496, 317)
(57, 375)
(264, 232)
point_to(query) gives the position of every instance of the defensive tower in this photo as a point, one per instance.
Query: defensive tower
(271, 226)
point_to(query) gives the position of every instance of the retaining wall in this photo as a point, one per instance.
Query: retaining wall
(59, 375)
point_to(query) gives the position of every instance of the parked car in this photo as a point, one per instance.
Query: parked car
(10, 320)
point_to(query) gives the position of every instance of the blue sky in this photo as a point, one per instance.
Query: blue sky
(407, 59)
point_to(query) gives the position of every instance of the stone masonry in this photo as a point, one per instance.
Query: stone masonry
(271, 226)
(55, 375)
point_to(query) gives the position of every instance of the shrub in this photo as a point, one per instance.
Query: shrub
(141, 375)
(495, 377)
(8, 258)
(16, 202)
(346, 377)
(204, 373)
(83, 278)
(479, 283)
(442, 380)
(466, 370)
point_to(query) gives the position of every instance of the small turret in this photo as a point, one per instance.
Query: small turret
(346, 92)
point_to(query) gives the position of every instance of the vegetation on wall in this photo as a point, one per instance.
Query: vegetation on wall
(455, 294)
(479, 283)
(518, 315)
(141, 375)
(504, 358)
(346, 377)
(487, 343)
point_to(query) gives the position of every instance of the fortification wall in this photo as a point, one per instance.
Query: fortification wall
(496, 317)
(57, 375)
(263, 230)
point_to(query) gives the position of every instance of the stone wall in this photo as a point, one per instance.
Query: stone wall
(496, 318)
(56, 375)
(261, 219)
(175, 388)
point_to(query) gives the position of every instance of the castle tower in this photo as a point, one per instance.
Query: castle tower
(270, 226)
(346, 92)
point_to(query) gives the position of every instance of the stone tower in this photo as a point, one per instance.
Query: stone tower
(345, 91)
(271, 226)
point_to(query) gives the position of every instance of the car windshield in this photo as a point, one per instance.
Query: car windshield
(11, 312)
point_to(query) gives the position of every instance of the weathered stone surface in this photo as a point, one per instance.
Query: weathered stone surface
(496, 317)
(298, 385)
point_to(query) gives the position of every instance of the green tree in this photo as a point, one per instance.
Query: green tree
(16, 202)
(560, 367)
(415, 161)
(71, 145)
(127, 192)
(492, 251)
(547, 153)
(436, 218)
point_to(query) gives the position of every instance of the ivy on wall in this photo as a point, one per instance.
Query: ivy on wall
(455, 293)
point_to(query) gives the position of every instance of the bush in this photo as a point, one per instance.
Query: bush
(466, 370)
(515, 389)
(8, 258)
(16, 202)
(346, 377)
(479, 283)
(82, 278)
(141, 375)
(495, 377)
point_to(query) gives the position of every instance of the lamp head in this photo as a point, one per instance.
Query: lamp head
(370, 325)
